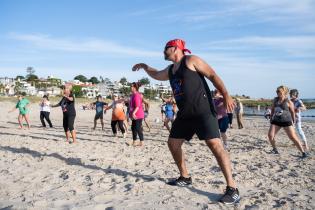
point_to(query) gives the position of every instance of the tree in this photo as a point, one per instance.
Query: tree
(125, 91)
(77, 91)
(30, 71)
(145, 81)
(81, 78)
(94, 80)
(32, 77)
(19, 77)
(123, 81)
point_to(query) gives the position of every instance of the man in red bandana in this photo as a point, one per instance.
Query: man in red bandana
(196, 114)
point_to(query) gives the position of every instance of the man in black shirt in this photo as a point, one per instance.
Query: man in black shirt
(196, 113)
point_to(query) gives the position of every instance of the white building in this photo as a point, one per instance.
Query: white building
(8, 85)
(27, 88)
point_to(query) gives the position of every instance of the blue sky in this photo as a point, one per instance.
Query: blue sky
(253, 45)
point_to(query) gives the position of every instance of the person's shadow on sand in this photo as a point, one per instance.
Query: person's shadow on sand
(109, 170)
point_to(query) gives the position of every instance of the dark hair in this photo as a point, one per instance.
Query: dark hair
(136, 85)
(294, 92)
(23, 94)
(45, 96)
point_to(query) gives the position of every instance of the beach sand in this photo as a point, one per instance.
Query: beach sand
(39, 170)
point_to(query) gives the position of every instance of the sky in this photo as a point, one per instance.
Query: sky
(253, 45)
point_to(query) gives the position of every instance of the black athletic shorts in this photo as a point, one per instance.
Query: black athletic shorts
(206, 127)
(281, 124)
(98, 116)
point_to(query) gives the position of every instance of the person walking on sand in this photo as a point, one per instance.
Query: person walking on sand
(146, 106)
(69, 113)
(99, 108)
(45, 111)
(196, 114)
(136, 113)
(118, 115)
(230, 116)
(283, 116)
(239, 113)
(223, 119)
(22, 105)
(298, 107)
(169, 111)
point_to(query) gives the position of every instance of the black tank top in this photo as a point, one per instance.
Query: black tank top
(191, 92)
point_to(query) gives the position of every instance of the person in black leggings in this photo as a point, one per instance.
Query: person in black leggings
(136, 113)
(45, 111)
(69, 113)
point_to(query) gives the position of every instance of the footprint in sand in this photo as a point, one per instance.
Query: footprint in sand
(64, 175)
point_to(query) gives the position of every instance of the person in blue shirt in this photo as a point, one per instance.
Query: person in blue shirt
(169, 111)
(99, 107)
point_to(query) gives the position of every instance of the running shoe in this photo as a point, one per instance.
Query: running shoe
(181, 181)
(274, 151)
(231, 196)
(305, 155)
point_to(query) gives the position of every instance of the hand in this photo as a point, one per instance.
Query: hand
(139, 66)
(134, 116)
(229, 103)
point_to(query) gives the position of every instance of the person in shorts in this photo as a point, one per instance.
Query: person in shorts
(196, 114)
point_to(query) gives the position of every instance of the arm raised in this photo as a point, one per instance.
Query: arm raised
(152, 72)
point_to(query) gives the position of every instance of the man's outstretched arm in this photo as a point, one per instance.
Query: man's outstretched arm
(152, 72)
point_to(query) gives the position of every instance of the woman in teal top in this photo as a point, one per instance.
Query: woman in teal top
(22, 106)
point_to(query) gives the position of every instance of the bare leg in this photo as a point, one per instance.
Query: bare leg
(166, 124)
(224, 138)
(20, 119)
(292, 135)
(147, 124)
(102, 123)
(273, 130)
(95, 122)
(26, 117)
(175, 147)
(223, 160)
(74, 136)
(67, 136)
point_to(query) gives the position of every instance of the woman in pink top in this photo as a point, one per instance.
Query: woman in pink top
(136, 113)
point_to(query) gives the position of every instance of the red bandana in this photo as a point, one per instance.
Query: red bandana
(177, 43)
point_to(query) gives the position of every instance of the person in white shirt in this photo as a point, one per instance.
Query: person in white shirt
(239, 113)
(45, 111)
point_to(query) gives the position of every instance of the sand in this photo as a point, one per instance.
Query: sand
(39, 170)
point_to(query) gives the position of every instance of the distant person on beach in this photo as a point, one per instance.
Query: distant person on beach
(169, 111)
(283, 116)
(298, 108)
(69, 113)
(118, 115)
(146, 112)
(99, 108)
(196, 113)
(230, 116)
(136, 113)
(267, 113)
(45, 111)
(239, 113)
(223, 119)
(22, 105)
(163, 111)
